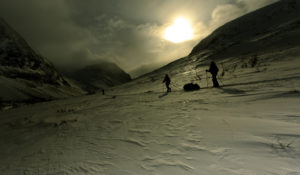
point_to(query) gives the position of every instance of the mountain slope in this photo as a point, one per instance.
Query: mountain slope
(24, 74)
(100, 76)
(274, 26)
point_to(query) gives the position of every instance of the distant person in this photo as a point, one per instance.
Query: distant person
(213, 69)
(167, 81)
(103, 92)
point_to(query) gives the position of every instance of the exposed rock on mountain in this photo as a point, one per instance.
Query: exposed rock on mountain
(26, 75)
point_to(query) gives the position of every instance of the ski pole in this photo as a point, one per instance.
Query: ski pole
(206, 80)
(174, 85)
(220, 80)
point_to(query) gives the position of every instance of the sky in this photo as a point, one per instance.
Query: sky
(130, 33)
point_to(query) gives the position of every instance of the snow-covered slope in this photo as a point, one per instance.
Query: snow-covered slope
(100, 76)
(25, 75)
(243, 129)
(250, 126)
(271, 28)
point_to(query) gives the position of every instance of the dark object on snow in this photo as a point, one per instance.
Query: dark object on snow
(167, 81)
(191, 87)
(213, 69)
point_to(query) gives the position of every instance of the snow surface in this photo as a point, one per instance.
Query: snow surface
(250, 126)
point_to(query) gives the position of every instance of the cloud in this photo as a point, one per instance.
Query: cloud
(47, 26)
(251, 5)
(74, 33)
(226, 12)
(223, 14)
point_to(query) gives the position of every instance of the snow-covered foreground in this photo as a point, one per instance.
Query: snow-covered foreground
(244, 128)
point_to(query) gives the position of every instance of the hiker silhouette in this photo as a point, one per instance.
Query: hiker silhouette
(213, 69)
(167, 81)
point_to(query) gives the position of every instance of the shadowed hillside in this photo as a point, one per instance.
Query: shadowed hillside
(271, 28)
(100, 76)
(26, 76)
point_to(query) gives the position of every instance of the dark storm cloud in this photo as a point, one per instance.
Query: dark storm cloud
(73, 33)
(48, 27)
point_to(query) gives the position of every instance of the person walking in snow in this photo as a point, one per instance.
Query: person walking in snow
(213, 69)
(167, 81)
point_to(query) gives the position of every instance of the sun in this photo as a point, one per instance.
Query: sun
(180, 31)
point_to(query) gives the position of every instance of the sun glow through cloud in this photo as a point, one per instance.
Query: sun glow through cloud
(180, 31)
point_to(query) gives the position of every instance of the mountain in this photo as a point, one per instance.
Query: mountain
(143, 69)
(99, 76)
(26, 76)
(270, 28)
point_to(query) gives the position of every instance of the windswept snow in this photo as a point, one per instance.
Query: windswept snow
(251, 126)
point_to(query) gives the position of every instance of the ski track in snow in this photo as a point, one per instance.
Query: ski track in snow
(240, 129)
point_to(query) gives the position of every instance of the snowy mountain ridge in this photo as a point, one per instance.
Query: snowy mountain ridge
(274, 26)
(101, 75)
(25, 75)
